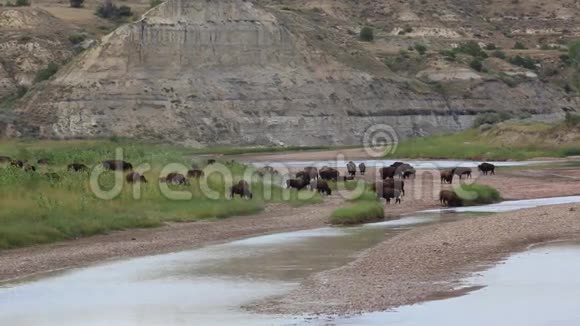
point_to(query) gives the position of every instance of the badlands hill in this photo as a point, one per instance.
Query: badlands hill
(262, 72)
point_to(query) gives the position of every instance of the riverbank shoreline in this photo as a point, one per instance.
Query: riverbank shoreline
(426, 263)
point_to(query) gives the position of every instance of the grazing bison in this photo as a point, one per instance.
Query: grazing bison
(362, 168)
(135, 177)
(242, 188)
(462, 172)
(486, 168)
(447, 176)
(43, 161)
(323, 188)
(408, 174)
(449, 198)
(196, 174)
(5, 159)
(312, 172)
(297, 184)
(117, 165)
(176, 178)
(29, 168)
(395, 184)
(397, 164)
(77, 167)
(351, 168)
(304, 176)
(388, 172)
(211, 161)
(327, 173)
(54, 177)
(17, 163)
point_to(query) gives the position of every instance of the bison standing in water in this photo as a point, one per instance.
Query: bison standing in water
(77, 167)
(486, 168)
(362, 168)
(117, 165)
(351, 168)
(242, 188)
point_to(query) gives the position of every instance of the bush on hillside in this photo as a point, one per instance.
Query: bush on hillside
(499, 54)
(109, 10)
(421, 48)
(525, 62)
(76, 3)
(490, 118)
(46, 73)
(155, 3)
(471, 48)
(520, 46)
(367, 34)
(476, 64)
(572, 120)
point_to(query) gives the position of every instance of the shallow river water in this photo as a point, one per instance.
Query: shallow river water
(207, 286)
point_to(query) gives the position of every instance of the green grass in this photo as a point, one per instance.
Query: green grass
(263, 149)
(36, 210)
(477, 194)
(492, 145)
(363, 211)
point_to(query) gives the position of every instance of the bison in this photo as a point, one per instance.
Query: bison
(77, 167)
(117, 165)
(5, 159)
(388, 172)
(304, 176)
(43, 161)
(312, 172)
(176, 178)
(135, 177)
(390, 193)
(242, 188)
(449, 198)
(297, 184)
(29, 168)
(17, 163)
(351, 168)
(53, 177)
(397, 164)
(211, 161)
(486, 168)
(462, 172)
(327, 173)
(447, 176)
(322, 187)
(362, 168)
(196, 174)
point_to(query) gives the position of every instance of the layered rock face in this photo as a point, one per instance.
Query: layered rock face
(203, 72)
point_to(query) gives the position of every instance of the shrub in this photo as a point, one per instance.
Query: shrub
(565, 60)
(367, 34)
(108, 10)
(574, 53)
(572, 120)
(46, 73)
(520, 46)
(477, 194)
(574, 151)
(490, 46)
(22, 3)
(490, 118)
(155, 3)
(499, 54)
(77, 38)
(76, 3)
(421, 48)
(471, 48)
(361, 212)
(525, 62)
(449, 55)
(476, 64)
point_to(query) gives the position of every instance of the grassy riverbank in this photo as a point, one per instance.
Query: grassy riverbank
(36, 209)
(505, 141)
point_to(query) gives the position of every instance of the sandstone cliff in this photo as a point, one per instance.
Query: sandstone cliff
(204, 72)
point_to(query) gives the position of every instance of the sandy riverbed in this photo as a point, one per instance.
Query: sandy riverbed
(426, 263)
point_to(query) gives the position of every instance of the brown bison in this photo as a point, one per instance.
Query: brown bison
(176, 179)
(388, 172)
(17, 163)
(462, 172)
(29, 168)
(117, 165)
(397, 164)
(351, 168)
(449, 198)
(327, 173)
(323, 188)
(297, 184)
(447, 176)
(77, 167)
(242, 188)
(303, 175)
(5, 159)
(312, 172)
(135, 177)
(486, 168)
(196, 174)
(43, 161)
(211, 161)
(390, 193)
(362, 168)
(379, 187)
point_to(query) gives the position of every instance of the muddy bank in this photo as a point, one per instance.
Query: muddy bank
(425, 263)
